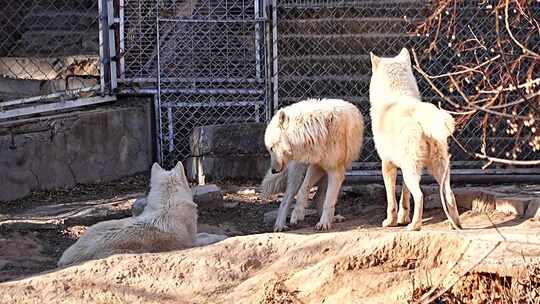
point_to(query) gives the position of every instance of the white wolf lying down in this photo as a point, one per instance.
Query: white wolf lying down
(168, 222)
(327, 134)
(409, 134)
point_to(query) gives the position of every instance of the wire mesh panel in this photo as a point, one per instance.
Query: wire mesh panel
(474, 39)
(323, 51)
(211, 69)
(138, 42)
(48, 49)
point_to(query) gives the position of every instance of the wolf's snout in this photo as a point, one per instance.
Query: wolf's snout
(274, 171)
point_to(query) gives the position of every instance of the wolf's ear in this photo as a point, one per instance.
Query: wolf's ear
(405, 55)
(374, 61)
(283, 120)
(156, 168)
(179, 167)
(179, 172)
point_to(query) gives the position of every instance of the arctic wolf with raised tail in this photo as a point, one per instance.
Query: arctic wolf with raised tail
(327, 134)
(409, 134)
(168, 222)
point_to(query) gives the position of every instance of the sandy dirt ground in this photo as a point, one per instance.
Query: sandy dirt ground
(496, 259)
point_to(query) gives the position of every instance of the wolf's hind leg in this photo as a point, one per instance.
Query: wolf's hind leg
(411, 177)
(335, 179)
(313, 175)
(404, 206)
(389, 172)
(318, 200)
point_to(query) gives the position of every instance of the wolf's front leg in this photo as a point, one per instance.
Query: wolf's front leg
(281, 220)
(389, 172)
(335, 179)
(313, 175)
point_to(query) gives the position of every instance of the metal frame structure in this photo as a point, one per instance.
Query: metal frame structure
(45, 39)
(303, 49)
(235, 90)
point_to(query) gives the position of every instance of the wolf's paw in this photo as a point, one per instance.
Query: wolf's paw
(279, 228)
(414, 226)
(403, 218)
(297, 215)
(339, 218)
(455, 227)
(323, 225)
(389, 222)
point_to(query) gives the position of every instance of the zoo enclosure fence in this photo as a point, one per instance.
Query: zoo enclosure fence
(225, 61)
(221, 61)
(55, 55)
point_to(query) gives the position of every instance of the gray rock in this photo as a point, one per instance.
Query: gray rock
(208, 196)
(215, 168)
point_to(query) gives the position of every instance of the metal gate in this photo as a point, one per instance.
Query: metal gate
(211, 68)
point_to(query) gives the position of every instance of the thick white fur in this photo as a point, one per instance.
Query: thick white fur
(168, 222)
(409, 134)
(327, 134)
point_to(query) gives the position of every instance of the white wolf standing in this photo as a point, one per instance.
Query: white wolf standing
(168, 222)
(327, 134)
(409, 134)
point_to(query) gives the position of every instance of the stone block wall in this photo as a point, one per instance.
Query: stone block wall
(233, 151)
(86, 146)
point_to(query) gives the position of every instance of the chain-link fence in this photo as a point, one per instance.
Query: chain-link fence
(206, 59)
(138, 41)
(323, 51)
(49, 52)
(220, 61)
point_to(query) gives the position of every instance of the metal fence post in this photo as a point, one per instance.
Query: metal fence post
(275, 68)
(111, 22)
(104, 53)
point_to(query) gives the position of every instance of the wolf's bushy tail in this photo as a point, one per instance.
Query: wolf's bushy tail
(436, 123)
(273, 183)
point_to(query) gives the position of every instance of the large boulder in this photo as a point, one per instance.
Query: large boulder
(234, 151)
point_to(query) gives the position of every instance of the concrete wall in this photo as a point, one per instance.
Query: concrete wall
(234, 151)
(87, 146)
